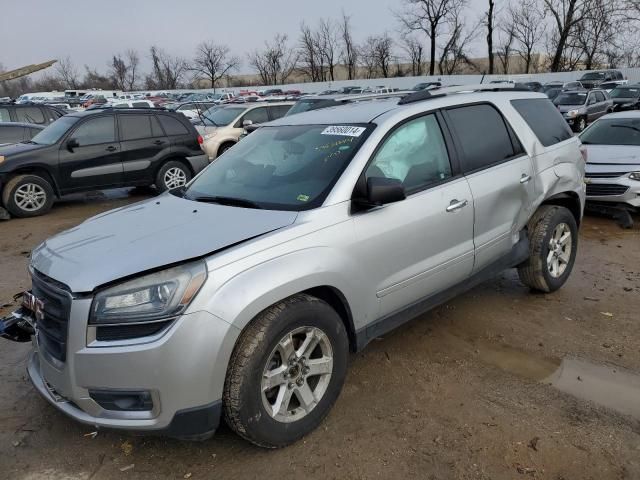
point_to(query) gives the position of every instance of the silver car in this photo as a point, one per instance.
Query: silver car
(613, 165)
(243, 294)
(581, 107)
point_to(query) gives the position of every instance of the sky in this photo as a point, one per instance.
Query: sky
(90, 32)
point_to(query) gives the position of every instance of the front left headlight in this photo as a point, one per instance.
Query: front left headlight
(572, 113)
(635, 176)
(156, 296)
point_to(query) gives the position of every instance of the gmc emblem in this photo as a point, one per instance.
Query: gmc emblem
(34, 304)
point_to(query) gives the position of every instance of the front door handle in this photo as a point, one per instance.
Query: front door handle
(525, 178)
(111, 148)
(158, 142)
(456, 205)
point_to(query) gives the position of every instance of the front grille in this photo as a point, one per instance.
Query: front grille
(54, 319)
(605, 189)
(605, 175)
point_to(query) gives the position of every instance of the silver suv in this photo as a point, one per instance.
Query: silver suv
(243, 293)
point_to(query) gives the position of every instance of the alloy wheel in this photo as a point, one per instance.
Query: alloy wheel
(30, 197)
(559, 250)
(297, 374)
(175, 177)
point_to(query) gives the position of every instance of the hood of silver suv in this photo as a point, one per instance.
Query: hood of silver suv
(147, 235)
(614, 155)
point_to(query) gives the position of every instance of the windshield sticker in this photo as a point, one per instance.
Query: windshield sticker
(346, 131)
(303, 198)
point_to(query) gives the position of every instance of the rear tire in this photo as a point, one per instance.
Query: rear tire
(277, 390)
(224, 147)
(27, 196)
(553, 243)
(172, 174)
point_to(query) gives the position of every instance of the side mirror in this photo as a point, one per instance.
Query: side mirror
(246, 123)
(72, 143)
(381, 190)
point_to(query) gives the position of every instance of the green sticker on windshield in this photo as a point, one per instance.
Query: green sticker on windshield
(303, 198)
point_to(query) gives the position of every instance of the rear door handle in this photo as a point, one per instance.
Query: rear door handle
(456, 205)
(525, 178)
(111, 148)
(158, 142)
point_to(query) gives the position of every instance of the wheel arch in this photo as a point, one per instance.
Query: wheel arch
(569, 200)
(40, 171)
(224, 143)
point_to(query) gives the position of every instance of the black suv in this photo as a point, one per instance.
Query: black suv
(595, 79)
(99, 149)
(30, 113)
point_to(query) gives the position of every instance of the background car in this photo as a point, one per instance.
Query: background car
(100, 149)
(191, 110)
(613, 165)
(133, 104)
(581, 107)
(626, 97)
(594, 79)
(30, 113)
(15, 132)
(223, 125)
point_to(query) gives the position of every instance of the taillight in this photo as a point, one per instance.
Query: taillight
(200, 139)
(584, 153)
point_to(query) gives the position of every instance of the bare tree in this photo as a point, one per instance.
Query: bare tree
(368, 57)
(566, 14)
(598, 29)
(309, 61)
(505, 46)
(67, 72)
(415, 53)
(213, 62)
(427, 16)
(382, 53)
(167, 70)
(453, 53)
(132, 75)
(528, 27)
(328, 44)
(276, 61)
(489, 20)
(349, 51)
(95, 79)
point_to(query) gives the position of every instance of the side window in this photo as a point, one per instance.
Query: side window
(544, 119)
(156, 130)
(134, 127)
(30, 115)
(187, 106)
(172, 126)
(4, 115)
(10, 134)
(279, 111)
(599, 97)
(257, 115)
(140, 105)
(53, 113)
(483, 135)
(415, 153)
(591, 99)
(95, 131)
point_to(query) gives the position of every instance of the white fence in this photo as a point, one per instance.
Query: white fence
(403, 83)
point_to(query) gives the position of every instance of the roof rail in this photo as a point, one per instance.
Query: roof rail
(443, 91)
(373, 96)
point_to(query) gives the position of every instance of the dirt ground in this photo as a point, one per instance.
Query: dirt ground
(456, 394)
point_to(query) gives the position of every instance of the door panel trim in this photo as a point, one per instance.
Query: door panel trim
(518, 254)
(135, 165)
(93, 171)
(422, 275)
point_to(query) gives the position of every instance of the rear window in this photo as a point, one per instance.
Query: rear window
(544, 119)
(134, 127)
(30, 115)
(172, 126)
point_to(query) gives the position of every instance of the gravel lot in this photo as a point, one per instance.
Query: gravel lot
(456, 394)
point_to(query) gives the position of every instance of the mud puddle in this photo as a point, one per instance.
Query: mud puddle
(611, 387)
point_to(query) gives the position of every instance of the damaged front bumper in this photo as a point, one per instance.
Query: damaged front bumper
(17, 327)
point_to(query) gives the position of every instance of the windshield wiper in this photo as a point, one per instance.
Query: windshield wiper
(231, 201)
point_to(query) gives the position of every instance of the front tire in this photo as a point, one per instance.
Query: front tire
(580, 125)
(553, 244)
(286, 372)
(172, 174)
(27, 196)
